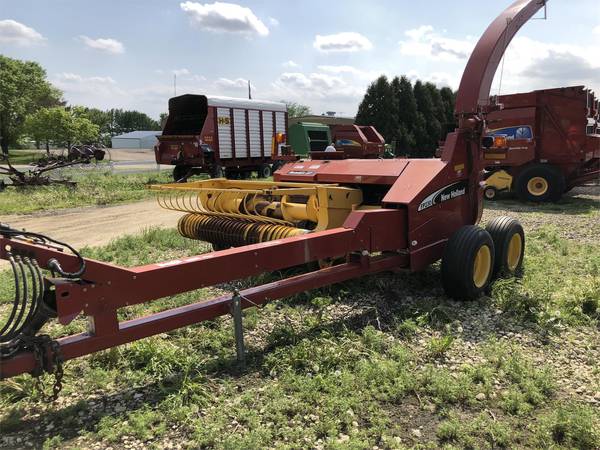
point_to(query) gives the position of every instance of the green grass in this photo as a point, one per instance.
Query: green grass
(93, 188)
(560, 285)
(330, 369)
(23, 156)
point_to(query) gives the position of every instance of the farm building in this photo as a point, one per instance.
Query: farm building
(136, 139)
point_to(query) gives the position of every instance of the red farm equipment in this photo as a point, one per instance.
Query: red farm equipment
(544, 143)
(358, 141)
(223, 136)
(355, 216)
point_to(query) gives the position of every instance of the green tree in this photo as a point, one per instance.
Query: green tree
(86, 132)
(407, 114)
(449, 99)
(163, 119)
(127, 121)
(439, 111)
(379, 108)
(427, 141)
(23, 90)
(102, 119)
(296, 109)
(60, 126)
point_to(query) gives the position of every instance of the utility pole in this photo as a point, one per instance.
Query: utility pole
(249, 91)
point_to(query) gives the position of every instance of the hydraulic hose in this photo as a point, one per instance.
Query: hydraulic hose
(53, 264)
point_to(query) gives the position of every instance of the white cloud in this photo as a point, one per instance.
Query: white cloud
(235, 84)
(13, 32)
(530, 64)
(96, 91)
(273, 21)
(300, 86)
(71, 77)
(440, 79)
(351, 70)
(225, 17)
(321, 91)
(290, 64)
(342, 42)
(180, 72)
(106, 45)
(443, 79)
(596, 30)
(424, 41)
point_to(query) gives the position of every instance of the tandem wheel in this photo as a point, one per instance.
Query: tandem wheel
(264, 171)
(509, 245)
(468, 263)
(181, 173)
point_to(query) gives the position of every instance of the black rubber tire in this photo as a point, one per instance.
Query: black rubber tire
(489, 193)
(219, 247)
(553, 176)
(181, 173)
(217, 172)
(232, 175)
(502, 229)
(264, 171)
(458, 262)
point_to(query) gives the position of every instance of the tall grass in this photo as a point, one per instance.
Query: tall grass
(93, 188)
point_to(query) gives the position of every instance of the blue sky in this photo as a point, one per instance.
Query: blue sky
(323, 54)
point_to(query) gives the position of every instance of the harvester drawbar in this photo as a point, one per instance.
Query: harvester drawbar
(353, 217)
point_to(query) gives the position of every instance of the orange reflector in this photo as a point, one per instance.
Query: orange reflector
(499, 141)
(280, 138)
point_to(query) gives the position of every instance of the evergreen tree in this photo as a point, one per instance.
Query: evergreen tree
(379, 109)
(439, 111)
(449, 99)
(414, 118)
(433, 128)
(407, 114)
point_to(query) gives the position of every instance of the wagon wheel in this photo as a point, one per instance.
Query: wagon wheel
(217, 172)
(181, 173)
(264, 171)
(509, 245)
(468, 263)
(540, 183)
(490, 193)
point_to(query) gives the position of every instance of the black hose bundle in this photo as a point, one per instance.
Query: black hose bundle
(29, 295)
(29, 311)
(53, 264)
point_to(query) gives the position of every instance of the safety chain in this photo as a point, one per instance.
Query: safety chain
(39, 345)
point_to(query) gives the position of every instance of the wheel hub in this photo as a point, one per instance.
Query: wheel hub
(482, 266)
(515, 247)
(537, 186)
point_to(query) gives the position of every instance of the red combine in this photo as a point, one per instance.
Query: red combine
(355, 216)
(546, 142)
(223, 136)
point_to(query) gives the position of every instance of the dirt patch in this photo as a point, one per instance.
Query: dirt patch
(95, 226)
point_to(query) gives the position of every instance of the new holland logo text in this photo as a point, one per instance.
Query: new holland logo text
(444, 194)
